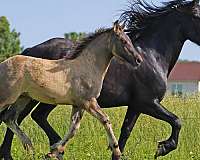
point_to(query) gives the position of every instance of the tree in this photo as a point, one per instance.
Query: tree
(9, 40)
(74, 36)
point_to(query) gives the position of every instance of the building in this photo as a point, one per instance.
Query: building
(184, 79)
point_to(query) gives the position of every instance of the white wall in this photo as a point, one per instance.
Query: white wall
(199, 86)
(189, 87)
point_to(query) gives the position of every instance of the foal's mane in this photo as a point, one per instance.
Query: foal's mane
(82, 44)
(141, 15)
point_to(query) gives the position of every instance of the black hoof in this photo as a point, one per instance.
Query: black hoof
(164, 148)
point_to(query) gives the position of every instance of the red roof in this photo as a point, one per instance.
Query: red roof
(185, 71)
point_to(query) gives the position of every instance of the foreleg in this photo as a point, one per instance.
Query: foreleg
(156, 110)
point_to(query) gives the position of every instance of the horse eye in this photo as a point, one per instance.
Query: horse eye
(124, 41)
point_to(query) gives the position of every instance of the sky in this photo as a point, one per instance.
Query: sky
(40, 20)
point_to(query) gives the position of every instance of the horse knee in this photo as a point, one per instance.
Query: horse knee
(9, 115)
(106, 121)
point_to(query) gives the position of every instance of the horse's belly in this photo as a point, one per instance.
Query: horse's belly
(51, 99)
(52, 95)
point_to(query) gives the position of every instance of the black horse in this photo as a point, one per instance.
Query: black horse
(159, 34)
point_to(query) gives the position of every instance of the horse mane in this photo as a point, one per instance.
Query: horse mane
(141, 15)
(83, 43)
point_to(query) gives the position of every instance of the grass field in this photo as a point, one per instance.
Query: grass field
(90, 142)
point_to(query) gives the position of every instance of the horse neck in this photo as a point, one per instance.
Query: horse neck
(163, 43)
(97, 53)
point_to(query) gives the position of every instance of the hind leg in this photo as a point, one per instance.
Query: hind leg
(156, 110)
(57, 149)
(5, 149)
(10, 119)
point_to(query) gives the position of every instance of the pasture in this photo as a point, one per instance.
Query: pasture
(90, 141)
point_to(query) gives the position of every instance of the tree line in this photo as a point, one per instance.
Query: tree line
(9, 40)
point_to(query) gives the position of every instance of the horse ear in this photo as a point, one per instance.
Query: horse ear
(195, 8)
(116, 26)
(123, 26)
(196, 2)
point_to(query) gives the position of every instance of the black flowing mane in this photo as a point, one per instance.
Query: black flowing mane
(83, 43)
(141, 15)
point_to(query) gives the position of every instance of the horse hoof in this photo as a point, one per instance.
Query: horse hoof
(159, 151)
(115, 157)
(59, 157)
(56, 156)
(164, 148)
(49, 156)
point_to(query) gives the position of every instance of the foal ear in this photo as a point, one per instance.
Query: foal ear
(117, 28)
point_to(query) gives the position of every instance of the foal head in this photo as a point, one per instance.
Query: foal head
(122, 46)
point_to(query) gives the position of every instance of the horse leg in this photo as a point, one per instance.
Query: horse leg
(128, 124)
(57, 149)
(5, 149)
(158, 111)
(10, 119)
(94, 109)
(40, 115)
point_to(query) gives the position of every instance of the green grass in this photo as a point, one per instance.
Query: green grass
(90, 142)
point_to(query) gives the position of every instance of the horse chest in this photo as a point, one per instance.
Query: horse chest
(86, 87)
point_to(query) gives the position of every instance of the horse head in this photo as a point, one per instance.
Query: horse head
(123, 47)
(190, 20)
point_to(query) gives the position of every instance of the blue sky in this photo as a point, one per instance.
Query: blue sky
(39, 20)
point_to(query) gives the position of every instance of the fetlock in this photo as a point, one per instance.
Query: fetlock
(116, 151)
